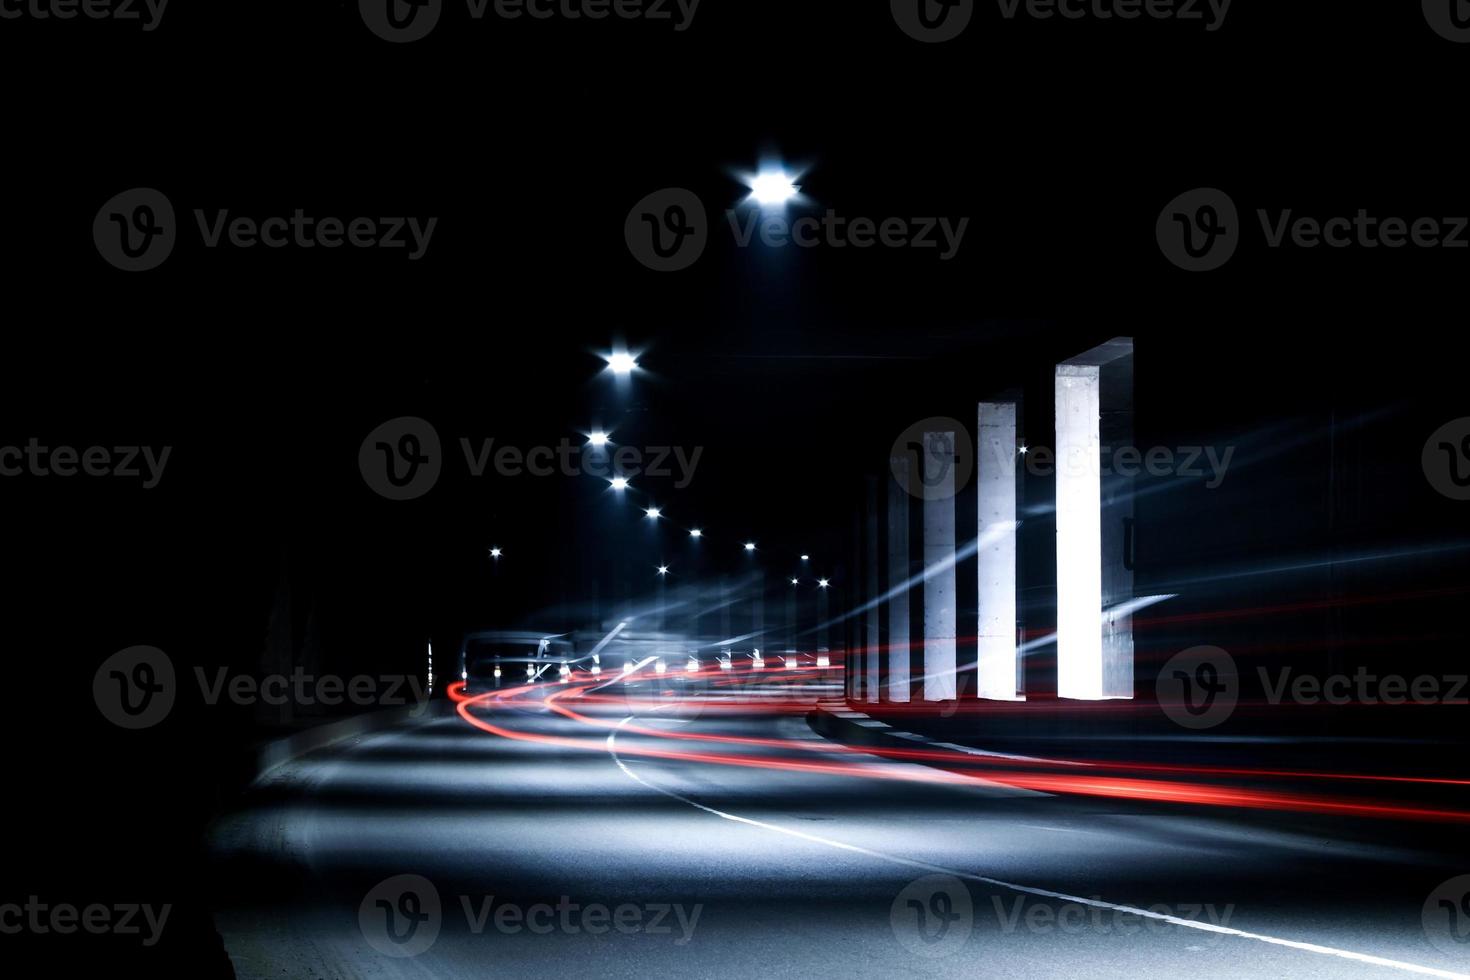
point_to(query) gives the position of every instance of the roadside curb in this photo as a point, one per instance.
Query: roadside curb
(271, 755)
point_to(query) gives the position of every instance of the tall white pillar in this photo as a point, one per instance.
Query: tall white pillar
(898, 605)
(998, 663)
(939, 558)
(1094, 645)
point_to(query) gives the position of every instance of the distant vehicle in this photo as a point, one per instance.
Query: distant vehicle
(494, 659)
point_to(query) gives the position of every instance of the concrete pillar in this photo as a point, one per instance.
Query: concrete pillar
(998, 674)
(939, 575)
(868, 594)
(1094, 651)
(897, 639)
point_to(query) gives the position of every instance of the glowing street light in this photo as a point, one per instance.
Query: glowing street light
(796, 581)
(620, 483)
(806, 557)
(597, 438)
(654, 513)
(496, 553)
(663, 569)
(696, 533)
(771, 188)
(622, 363)
(750, 546)
(821, 583)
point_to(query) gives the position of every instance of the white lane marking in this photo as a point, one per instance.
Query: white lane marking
(1026, 889)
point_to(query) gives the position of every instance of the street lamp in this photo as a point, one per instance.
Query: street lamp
(622, 363)
(750, 546)
(653, 513)
(620, 483)
(597, 438)
(696, 533)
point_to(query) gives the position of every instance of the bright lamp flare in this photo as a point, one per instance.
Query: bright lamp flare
(622, 363)
(772, 187)
(696, 533)
(620, 483)
(750, 546)
(597, 438)
(654, 513)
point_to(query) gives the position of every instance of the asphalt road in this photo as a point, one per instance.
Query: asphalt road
(587, 858)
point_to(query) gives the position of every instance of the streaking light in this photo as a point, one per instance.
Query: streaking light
(660, 667)
(823, 660)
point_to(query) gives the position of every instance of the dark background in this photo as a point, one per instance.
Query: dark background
(795, 370)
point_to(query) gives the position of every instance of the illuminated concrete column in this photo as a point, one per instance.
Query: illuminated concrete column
(898, 576)
(939, 560)
(998, 673)
(1094, 391)
(872, 644)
